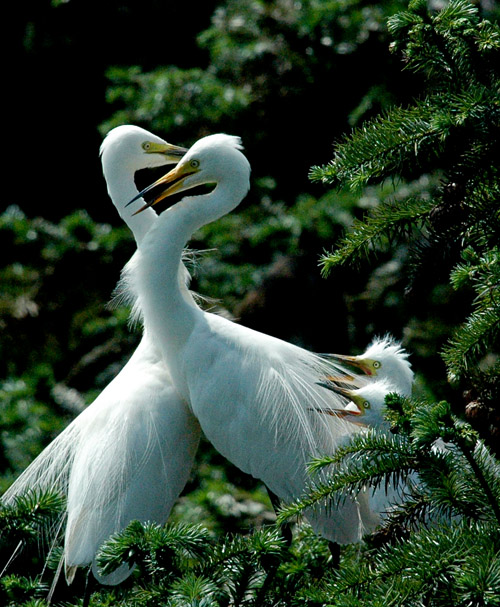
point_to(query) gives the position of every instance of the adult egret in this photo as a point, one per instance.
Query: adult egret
(129, 454)
(253, 394)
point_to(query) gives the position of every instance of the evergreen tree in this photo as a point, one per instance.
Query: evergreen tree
(451, 132)
(441, 544)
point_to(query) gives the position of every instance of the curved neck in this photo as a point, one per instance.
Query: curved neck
(167, 312)
(121, 188)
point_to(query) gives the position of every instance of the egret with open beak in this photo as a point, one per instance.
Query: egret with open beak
(384, 359)
(355, 409)
(179, 178)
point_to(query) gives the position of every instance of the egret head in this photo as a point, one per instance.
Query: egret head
(134, 148)
(384, 359)
(365, 405)
(215, 159)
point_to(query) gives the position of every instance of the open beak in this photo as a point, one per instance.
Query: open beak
(350, 411)
(340, 379)
(177, 177)
(356, 362)
(334, 387)
(342, 391)
(339, 412)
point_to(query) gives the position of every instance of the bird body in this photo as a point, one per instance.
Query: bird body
(257, 398)
(132, 461)
(135, 459)
(254, 395)
(129, 454)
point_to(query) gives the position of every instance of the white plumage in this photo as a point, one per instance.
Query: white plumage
(258, 399)
(386, 370)
(384, 359)
(254, 395)
(129, 454)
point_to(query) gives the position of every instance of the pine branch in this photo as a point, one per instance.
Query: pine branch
(387, 223)
(193, 590)
(401, 574)
(368, 445)
(155, 547)
(482, 474)
(368, 460)
(408, 515)
(443, 565)
(378, 149)
(451, 487)
(445, 45)
(436, 421)
(31, 514)
(471, 341)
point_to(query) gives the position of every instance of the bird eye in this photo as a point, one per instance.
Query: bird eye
(377, 364)
(194, 164)
(366, 404)
(146, 146)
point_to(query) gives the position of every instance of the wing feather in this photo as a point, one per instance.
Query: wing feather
(127, 456)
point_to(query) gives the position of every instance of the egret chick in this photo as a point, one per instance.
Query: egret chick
(364, 409)
(383, 359)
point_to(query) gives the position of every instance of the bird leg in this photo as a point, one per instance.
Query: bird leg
(335, 552)
(286, 531)
(89, 586)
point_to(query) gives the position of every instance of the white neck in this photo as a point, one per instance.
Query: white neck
(121, 188)
(167, 312)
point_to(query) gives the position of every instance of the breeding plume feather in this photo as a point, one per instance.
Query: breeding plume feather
(255, 396)
(129, 454)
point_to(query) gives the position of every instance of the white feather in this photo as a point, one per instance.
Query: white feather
(129, 454)
(254, 395)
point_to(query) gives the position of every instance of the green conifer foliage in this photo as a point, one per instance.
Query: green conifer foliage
(439, 544)
(452, 131)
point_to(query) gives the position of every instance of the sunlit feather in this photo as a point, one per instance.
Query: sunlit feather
(254, 395)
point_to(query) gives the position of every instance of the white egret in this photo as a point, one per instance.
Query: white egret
(387, 369)
(383, 359)
(364, 406)
(130, 453)
(365, 409)
(254, 395)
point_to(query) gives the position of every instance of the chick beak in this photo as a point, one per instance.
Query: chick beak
(359, 363)
(350, 409)
(350, 413)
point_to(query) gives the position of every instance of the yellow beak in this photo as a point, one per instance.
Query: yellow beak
(338, 412)
(348, 411)
(178, 174)
(348, 414)
(172, 152)
(366, 366)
